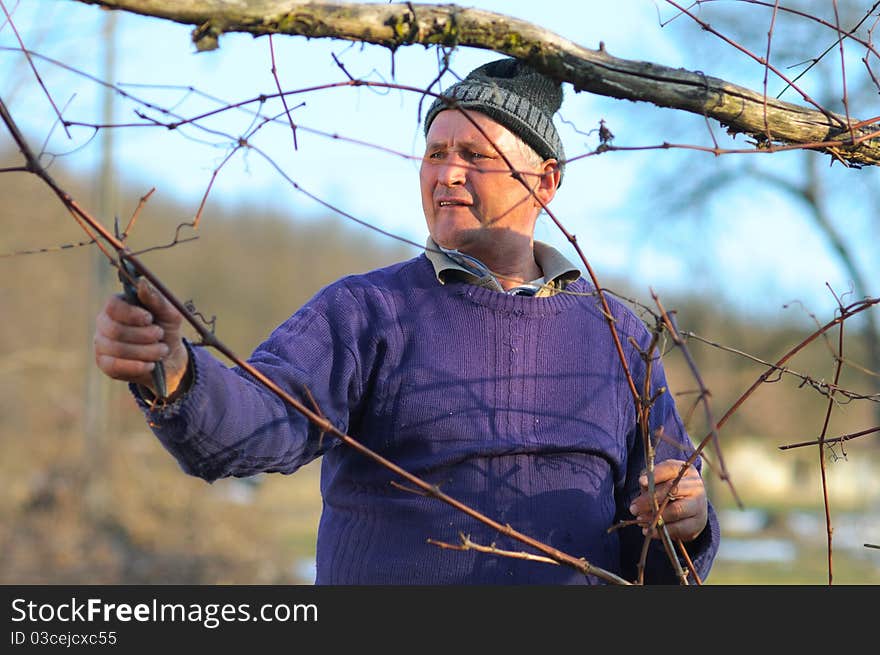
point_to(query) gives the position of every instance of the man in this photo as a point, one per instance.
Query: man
(485, 366)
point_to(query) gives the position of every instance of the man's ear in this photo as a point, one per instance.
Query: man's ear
(548, 181)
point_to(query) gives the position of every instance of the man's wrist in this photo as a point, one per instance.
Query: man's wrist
(178, 392)
(185, 383)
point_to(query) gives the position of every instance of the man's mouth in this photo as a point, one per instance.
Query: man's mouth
(452, 203)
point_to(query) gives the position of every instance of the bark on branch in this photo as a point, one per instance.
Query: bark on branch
(737, 108)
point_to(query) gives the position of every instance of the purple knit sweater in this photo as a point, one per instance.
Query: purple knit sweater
(513, 405)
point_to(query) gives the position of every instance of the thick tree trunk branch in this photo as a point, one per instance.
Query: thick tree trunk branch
(739, 109)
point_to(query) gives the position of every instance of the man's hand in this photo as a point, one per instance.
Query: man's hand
(686, 513)
(129, 340)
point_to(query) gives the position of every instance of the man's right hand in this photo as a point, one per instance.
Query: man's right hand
(129, 340)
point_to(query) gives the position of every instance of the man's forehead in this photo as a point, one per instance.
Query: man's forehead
(452, 126)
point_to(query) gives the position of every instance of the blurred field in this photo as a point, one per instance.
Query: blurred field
(789, 547)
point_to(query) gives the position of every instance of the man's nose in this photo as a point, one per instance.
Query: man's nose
(453, 171)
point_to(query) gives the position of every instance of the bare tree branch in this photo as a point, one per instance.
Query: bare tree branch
(739, 109)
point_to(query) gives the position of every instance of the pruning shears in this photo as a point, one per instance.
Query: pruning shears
(129, 276)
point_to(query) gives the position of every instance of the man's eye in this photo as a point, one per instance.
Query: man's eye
(435, 155)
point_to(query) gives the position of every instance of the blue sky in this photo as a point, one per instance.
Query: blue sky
(606, 201)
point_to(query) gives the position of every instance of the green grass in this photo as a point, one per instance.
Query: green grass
(809, 568)
(851, 563)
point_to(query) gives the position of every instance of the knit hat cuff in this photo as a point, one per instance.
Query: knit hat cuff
(514, 111)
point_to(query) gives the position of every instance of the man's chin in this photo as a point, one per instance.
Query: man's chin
(459, 239)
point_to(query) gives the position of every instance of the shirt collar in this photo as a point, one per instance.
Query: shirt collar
(558, 271)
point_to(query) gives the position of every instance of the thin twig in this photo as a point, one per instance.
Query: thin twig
(829, 440)
(821, 386)
(821, 444)
(845, 98)
(688, 562)
(27, 55)
(281, 93)
(134, 216)
(672, 328)
(847, 312)
(767, 69)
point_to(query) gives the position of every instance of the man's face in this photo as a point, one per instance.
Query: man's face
(469, 196)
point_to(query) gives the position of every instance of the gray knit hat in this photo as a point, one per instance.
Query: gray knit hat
(515, 95)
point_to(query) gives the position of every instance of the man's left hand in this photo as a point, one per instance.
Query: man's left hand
(686, 513)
